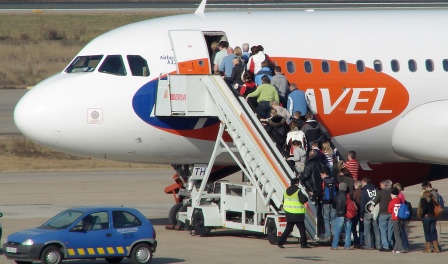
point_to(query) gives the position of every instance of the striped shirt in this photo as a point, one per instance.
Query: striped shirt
(353, 167)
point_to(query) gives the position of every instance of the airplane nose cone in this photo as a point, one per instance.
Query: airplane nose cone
(35, 117)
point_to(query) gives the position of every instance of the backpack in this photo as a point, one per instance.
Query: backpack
(351, 208)
(405, 211)
(329, 187)
(441, 201)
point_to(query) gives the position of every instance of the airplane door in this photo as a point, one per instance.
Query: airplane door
(190, 50)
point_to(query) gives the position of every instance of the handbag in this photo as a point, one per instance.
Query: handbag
(438, 210)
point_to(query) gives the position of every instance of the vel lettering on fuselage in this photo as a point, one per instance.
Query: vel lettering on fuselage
(358, 103)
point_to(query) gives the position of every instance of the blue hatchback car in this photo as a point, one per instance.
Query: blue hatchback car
(112, 233)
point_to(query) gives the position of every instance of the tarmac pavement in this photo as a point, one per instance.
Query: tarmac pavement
(29, 199)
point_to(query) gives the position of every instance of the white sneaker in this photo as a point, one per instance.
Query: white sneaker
(398, 252)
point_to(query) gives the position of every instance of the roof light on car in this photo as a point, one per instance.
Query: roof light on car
(28, 242)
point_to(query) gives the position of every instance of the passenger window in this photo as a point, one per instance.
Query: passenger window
(377, 65)
(290, 67)
(84, 64)
(138, 65)
(360, 66)
(395, 65)
(124, 219)
(429, 65)
(343, 66)
(325, 66)
(445, 65)
(113, 64)
(308, 66)
(412, 65)
(95, 221)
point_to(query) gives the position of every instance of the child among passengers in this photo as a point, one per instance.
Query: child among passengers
(394, 206)
(248, 87)
(297, 161)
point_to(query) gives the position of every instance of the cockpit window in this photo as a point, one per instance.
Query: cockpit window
(84, 64)
(138, 65)
(113, 64)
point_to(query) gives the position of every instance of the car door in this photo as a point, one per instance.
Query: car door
(127, 228)
(94, 240)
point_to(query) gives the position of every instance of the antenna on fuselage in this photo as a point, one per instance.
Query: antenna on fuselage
(201, 8)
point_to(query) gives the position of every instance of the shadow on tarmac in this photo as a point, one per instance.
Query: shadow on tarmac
(156, 260)
(312, 258)
(159, 221)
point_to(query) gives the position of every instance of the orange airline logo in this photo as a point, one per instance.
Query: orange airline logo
(348, 102)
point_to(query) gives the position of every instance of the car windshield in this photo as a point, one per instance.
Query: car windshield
(62, 220)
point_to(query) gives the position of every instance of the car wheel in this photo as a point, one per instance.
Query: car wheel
(172, 215)
(272, 232)
(141, 254)
(114, 260)
(198, 224)
(51, 255)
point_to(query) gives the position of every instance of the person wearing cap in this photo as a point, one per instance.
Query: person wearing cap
(394, 206)
(340, 205)
(294, 206)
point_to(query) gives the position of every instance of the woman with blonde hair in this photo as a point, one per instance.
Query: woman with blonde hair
(328, 151)
(238, 52)
(214, 49)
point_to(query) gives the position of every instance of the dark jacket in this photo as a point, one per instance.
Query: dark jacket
(292, 218)
(276, 129)
(357, 196)
(349, 181)
(314, 131)
(383, 198)
(310, 177)
(237, 71)
(369, 192)
(340, 203)
(426, 205)
(321, 156)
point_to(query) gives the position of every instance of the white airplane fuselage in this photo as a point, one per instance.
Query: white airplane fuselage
(386, 116)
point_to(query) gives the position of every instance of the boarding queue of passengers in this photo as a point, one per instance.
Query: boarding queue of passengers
(373, 223)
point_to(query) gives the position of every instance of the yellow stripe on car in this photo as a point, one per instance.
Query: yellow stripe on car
(120, 250)
(101, 251)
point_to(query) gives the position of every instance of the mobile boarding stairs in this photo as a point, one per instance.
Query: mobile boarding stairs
(254, 205)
